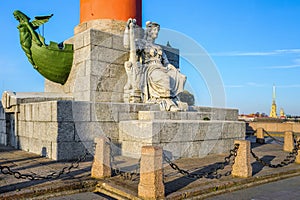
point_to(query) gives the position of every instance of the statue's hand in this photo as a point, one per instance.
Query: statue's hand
(128, 64)
(134, 21)
(128, 22)
(172, 67)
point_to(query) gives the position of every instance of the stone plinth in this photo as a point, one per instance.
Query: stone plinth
(242, 165)
(98, 72)
(101, 167)
(64, 129)
(184, 134)
(151, 175)
(113, 26)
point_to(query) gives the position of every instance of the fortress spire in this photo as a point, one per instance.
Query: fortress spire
(274, 93)
(273, 112)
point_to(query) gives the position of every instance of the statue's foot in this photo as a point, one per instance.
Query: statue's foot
(183, 106)
(175, 109)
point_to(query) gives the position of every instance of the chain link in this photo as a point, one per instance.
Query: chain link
(290, 158)
(214, 174)
(276, 140)
(65, 170)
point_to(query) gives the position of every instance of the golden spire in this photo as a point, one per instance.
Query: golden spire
(274, 93)
(273, 112)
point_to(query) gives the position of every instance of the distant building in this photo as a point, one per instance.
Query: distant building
(282, 114)
(273, 117)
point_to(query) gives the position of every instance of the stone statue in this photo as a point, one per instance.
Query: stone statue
(53, 61)
(157, 80)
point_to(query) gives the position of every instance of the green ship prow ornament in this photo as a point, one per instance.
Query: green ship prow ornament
(53, 61)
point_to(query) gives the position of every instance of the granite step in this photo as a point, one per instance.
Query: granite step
(164, 115)
(207, 114)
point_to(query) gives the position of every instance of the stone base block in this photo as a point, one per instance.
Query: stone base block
(193, 149)
(64, 129)
(182, 138)
(166, 131)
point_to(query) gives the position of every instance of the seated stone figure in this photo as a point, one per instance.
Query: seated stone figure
(149, 70)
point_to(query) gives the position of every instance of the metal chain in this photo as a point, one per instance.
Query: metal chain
(116, 171)
(133, 175)
(276, 140)
(290, 158)
(66, 170)
(211, 174)
(127, 175)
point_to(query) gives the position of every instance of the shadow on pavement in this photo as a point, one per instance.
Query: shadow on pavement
(257, 166)
(29, 183)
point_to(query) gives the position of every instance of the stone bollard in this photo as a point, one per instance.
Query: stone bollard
(298, 156)
(260, 137)
(151, 184)
(101, 167)
(242, 166)
(288, 141)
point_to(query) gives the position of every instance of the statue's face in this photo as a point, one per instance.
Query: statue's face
(154, 32)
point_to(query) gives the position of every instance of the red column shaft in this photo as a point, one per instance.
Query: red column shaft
(110, 9)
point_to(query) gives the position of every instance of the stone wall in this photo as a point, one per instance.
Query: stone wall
(65, 129)
(3, 134)
(275, 127)
(98, 72)
(48, 129)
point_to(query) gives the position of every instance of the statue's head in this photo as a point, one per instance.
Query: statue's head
(20, 16)
(152, 29)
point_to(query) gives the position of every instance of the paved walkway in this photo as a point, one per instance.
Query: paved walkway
(279, 190)
(176, 185)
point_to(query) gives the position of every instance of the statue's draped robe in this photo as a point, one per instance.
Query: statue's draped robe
(157, 82)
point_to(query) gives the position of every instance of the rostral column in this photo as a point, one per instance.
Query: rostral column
(108, 15)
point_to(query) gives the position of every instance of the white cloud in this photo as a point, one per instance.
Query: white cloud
(296, 64)
(288, 51)
(234, 86)
(253, 84)
(258, 53)
(283, 67)
(289, 86)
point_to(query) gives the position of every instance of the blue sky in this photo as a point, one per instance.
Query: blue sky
(253, 43)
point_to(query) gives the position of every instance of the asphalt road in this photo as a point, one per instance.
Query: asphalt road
(84, 196)
(280, 190)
